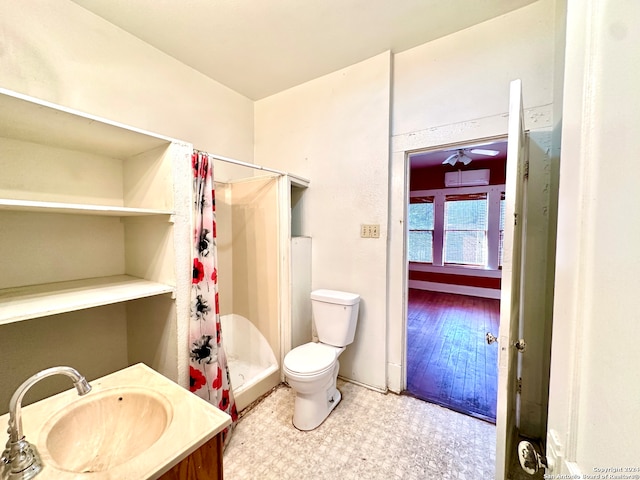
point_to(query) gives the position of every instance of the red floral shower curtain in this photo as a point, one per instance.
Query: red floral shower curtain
(208, 367)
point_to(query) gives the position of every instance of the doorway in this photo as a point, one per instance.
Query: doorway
(454, 252)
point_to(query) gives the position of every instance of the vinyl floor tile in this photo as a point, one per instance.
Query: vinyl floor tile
(369, 436)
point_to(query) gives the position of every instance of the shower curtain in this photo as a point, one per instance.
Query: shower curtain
(208, 369)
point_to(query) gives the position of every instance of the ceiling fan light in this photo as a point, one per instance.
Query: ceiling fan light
(465, 160)
(450, 160)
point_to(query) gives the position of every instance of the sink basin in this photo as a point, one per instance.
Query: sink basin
(135, 424)
(106, 429)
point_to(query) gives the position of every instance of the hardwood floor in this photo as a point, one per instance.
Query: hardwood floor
(448, 359)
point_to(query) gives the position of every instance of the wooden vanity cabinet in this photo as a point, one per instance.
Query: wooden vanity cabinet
(203, 464)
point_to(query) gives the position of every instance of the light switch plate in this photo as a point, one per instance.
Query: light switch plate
(370, 230)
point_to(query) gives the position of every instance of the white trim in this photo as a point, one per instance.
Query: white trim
(468, 133)
(394, 383)
(572, 469)
(456, 190)
(576, 202)
(455, 270)
(456, 289)
(587, 162)
(493, 228)
(284, 268)
(438, 231)
(365, 385)
(397, 273)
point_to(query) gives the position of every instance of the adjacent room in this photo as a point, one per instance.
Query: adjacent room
(455, 249)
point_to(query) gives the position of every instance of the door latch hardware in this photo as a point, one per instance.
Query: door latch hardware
(520, 345)
(530, 460)
(491, 338)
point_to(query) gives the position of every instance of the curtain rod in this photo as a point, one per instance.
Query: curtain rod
(253, 165)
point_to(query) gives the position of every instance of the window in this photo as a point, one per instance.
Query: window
(461, 226)
(421, 223)
(465, 229)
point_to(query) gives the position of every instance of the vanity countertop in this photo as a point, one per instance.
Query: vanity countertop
(193, 423)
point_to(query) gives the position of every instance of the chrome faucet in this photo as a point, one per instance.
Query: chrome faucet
(21, 459)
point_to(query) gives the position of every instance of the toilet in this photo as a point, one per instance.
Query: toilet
(312, 369)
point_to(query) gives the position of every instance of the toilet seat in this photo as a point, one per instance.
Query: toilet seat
(310, 359)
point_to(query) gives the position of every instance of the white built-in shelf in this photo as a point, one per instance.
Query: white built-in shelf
(24, 303)
(34, 120)
(76, 208)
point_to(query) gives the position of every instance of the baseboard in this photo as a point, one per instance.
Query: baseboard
(360, 384)
(394, 378)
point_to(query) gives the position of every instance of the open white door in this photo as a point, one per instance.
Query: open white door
(507, 413)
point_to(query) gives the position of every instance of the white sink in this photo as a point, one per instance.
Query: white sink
(134, 424)
(99, 432)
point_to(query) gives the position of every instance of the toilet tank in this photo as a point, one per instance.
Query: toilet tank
(335, 315)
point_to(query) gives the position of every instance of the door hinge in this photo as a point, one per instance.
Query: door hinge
(519, 385)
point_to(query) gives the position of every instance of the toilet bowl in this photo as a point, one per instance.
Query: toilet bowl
(312, 369)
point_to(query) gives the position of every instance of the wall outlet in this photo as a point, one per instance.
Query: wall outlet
(370, 231)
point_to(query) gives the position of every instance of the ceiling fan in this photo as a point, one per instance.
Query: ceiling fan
(461, 155)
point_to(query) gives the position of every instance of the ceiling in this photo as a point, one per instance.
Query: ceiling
(435, 158)
(261, 47)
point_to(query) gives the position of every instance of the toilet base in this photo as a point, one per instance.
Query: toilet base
(310, 411)
(315, 400)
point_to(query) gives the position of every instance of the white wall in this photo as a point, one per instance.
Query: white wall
(465, 76)
(594, 417)
(455, 89)
(62, 53)
(335, 131)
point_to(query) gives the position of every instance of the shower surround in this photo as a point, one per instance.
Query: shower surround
(248, 215)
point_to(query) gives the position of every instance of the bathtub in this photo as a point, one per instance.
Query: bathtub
(253, 366)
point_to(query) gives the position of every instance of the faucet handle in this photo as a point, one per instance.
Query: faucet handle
(22, 460)
(6, 454)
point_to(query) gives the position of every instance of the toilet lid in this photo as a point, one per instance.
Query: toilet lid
(310, 358)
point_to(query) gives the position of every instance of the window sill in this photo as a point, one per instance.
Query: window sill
(471, 270)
